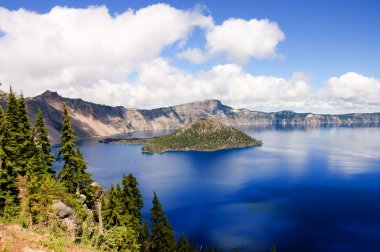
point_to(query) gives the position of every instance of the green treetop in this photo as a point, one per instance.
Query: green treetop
(132, 198)
(124, 204)
(9, 201)
(182, 245)
(35, 176)
(73, 174)
(162, 232)
(42, 141)
(21, 139)
(114, 211)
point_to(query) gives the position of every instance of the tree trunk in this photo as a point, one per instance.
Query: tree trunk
(99, 213)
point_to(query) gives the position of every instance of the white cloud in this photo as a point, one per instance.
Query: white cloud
(353, 92)
(160, 84)
(242, 40)
(194, 55)
(92, 54)
(68, 47)
(239, 40)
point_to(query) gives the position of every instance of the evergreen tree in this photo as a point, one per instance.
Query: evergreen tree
(144, 238)
(9, 202)
(24, 137)
(162, 232)
(190, 245)
(67, 175)
(73, 174)
(84, 180)
(182, 245)
(42, 141)
(132, 199)
(120, 238)
(12, 134)
(114, 213)
(36, 173)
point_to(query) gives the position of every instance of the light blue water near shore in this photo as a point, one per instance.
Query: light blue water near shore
(304, 189)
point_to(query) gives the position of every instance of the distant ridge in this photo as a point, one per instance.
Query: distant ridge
(91, 119)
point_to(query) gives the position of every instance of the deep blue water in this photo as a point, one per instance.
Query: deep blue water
(303, 190)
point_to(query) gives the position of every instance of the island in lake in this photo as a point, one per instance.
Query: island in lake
(203, 135)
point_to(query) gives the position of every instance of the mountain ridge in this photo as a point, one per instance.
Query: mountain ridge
(91, 119)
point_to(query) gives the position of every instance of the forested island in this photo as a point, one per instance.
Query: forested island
(203, 135)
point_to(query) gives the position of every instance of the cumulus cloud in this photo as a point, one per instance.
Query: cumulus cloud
(160, 84)
(242, 40)
(353, 92)
(117, 60)
(68, 46)
(239, 40)
(194, 55)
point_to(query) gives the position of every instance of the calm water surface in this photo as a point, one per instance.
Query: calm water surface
(303, 190)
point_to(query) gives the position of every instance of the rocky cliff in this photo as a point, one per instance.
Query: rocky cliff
(90, 119)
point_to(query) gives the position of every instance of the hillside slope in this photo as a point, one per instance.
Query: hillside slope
(13, 238)
(202, 135)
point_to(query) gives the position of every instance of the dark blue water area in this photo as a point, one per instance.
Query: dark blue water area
(303, 190)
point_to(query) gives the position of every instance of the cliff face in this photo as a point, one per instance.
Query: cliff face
(90, 119)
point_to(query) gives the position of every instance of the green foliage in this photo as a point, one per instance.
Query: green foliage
(162, 232)
(73, 174)
(203, 135)
(182, 245)
(20, 146)
(144, 238)
(9, 202)
(39, 183)
(123, 205)
(67, 175)
(132, 199)
(114, 211)
(42, 141)
(119, 238)
(10, 208)
(28, 191)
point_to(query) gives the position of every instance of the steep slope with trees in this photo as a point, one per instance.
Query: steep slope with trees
(71, 210)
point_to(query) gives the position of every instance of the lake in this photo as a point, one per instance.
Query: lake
(305, 189)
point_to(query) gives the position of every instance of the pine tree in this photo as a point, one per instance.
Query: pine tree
(67, 175)
(84, 180)
(73, 174)
(9, 202)
(25, 143)
(132, 199)
(144, 238)
(114, 211)
(42, 141)
(162, 232)
(182, 245)
(36, 173)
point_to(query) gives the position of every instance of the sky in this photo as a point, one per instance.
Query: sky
(319, 56)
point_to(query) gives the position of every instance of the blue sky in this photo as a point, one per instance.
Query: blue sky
(323, 39)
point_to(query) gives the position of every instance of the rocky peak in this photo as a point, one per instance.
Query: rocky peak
(208, 106)
(49, 96)
(49, 93)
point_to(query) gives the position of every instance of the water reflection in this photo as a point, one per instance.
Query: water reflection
(305, 189)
